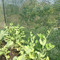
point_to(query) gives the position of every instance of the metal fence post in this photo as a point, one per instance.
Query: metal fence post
(4, 11)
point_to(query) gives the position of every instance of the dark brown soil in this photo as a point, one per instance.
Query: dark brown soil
(13, 52)
(2, 57)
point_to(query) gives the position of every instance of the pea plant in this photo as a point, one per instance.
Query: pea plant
(31, 48)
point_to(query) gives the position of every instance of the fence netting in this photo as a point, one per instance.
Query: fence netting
(32, 14)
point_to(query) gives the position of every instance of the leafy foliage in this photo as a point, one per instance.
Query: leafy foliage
(30, 48)
(2, 33)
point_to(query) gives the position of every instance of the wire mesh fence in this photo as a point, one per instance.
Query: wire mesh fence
(1, 16)
(32, 14)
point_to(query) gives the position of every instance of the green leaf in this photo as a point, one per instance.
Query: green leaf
(11, 24)
(7, 56)
(9, 44)
(42, 39)
(22, 57)
(15, 58)
(1, 52)
(28, 49)
(2, 33)
(36, 41)
(41, 55)
(47, 58)
(31, 34)
(49, 46)
(31, 55)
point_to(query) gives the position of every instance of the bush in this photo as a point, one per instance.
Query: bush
(30, 48)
